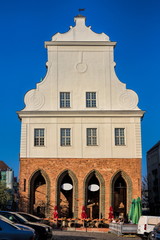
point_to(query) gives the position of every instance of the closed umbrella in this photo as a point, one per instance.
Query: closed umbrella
(131, 211)
(135, 214)
(139, 207)
(137, 211)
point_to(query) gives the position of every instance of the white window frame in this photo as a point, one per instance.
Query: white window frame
(91, 101)
(91, 134)
(120, 138)
(65, 102)
(65, 136)
(39, 140)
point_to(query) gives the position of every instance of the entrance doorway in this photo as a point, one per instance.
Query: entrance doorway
(38, 198)
(66, 197)
(93, 196)
(119, 196)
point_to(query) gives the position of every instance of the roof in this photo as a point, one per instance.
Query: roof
(154, 147)
(3, 166)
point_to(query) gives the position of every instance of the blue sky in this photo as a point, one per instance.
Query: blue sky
(25, 25)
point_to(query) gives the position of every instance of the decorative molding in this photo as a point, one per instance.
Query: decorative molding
(138, 140)
(83, 113)
(128, 99)
(79, 43)
(34, 100)
(23, 146)
(81, 66)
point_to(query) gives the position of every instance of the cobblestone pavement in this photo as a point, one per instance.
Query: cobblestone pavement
(69, 235)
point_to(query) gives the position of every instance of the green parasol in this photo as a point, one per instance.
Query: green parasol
(137, 211)
(139, 207)
(131, 211)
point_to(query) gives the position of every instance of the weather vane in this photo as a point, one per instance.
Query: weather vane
(81, 9)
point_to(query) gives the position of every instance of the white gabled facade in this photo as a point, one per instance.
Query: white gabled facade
(81, 61)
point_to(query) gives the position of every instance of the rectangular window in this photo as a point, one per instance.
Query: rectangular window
(39, 137)
(65, 136)
(119, 137)
(3, 175)
(90, 99)
(65, 99)
(91, 136)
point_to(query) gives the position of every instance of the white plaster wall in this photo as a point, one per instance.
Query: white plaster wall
(95, 74)
(105, 137)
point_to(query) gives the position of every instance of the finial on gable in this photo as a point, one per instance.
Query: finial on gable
(80, 19)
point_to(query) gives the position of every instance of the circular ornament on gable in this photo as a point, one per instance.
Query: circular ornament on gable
(34, 100)
(81, 67)
(93, 187)
(128, 99)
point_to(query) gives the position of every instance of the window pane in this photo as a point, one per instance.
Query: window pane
(119, 136)
(68, 141)
(39, 137)
(67, 132)
(41, 141)
(91, 136)
(65, 137)
(90, 99)
(36, 132)
(65, 99)
(42, 132)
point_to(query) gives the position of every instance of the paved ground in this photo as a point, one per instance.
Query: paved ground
(68, 235)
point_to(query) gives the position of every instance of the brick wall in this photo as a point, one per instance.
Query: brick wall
(81, 168)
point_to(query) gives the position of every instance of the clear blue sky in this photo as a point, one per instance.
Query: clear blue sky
(25, 25)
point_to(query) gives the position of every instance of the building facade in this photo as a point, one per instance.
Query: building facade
(81, 131)
(6, 175)
(153, 173)
(8, 188)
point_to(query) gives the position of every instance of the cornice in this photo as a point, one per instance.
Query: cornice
(98, 113)
(79, 43)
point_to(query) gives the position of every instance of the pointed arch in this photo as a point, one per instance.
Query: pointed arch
(101, 187)
(59, 180)
(39, 173)
(127, 179)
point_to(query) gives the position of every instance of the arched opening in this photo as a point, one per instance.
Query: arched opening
(93, 196)
(39, 199)
(67, 195)
(119, 196)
